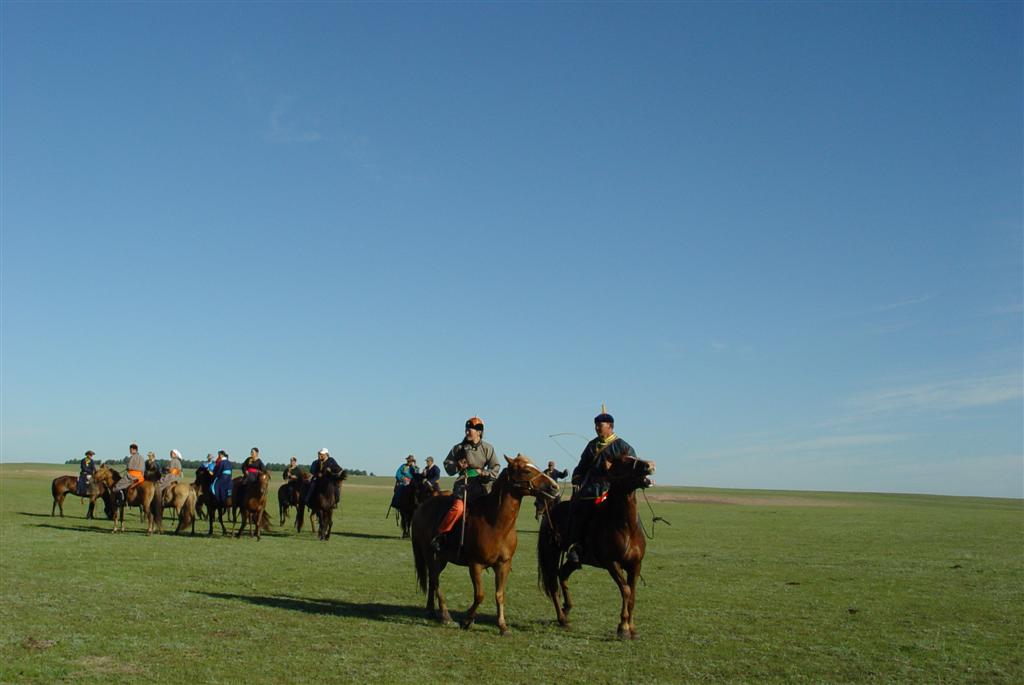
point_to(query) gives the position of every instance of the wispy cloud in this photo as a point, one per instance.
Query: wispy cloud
(901, 304)
(287, 127)
(941, 396)
(819, 444)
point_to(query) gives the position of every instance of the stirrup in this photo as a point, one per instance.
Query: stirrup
(437, 542)
(574, 554)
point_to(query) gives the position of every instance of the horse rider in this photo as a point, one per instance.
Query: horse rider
(86, 469)
(151, 463)
(542, 505)
(173, 474)
(324, 466)
(292, 475)
(474, 461)
(253, 465)
(221, 484)
(432, 474)
(589, 475)
(134, 468)
(553, 473)
(209, 464)
(403, 476)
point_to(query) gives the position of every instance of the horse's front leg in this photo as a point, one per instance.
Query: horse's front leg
(245, 520)
(615, 571)
(501, 572)
(632, 574)
(476, 575)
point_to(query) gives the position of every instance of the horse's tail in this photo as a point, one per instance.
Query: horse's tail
(188, 513)
(156, 506)
(548, 553)
(420, 560)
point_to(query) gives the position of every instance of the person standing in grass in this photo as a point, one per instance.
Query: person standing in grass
(590, 479)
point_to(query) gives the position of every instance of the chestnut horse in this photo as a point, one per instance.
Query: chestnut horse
(62, 486)
(252, 501)
(490, 537)
(417, 491)
(613, 541)
(322, 502)
(141, 494)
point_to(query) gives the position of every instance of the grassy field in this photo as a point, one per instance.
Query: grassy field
(744, 586)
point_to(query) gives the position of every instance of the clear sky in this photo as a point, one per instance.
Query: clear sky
(782, 242)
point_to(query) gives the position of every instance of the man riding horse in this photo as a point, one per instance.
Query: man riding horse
(86, 470)
(474, 461)
(135, 467)
(589, 475)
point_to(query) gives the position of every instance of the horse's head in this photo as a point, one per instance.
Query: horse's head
(527, 479)
(629, 473)
(105, 475)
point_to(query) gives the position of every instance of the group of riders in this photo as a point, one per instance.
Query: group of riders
(472, 461)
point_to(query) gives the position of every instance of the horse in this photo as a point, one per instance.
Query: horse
(417, 491)
(141, 494)
(322, 502)
(614, 541)
(181, 497)
(252, 500)
(290, 494)
(64, 485)
(215, 508)
(490, 538)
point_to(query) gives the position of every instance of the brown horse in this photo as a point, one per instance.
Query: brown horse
(490, 537)
(182, 499)
(141, 494)
(252, 501)
(322, 502)
(290, 494)
(62, 486)
(417, 491)
(613, 541)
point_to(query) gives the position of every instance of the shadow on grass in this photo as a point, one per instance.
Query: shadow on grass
(44, 516)
(371, 610)
(365, 536)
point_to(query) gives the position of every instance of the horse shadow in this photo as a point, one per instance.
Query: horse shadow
(92, 529)
(32, 513)
(375, 611)
(365, 536)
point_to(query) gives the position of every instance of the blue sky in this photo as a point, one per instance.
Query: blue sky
(782, 242)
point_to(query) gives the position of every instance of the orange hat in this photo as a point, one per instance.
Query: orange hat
(474, 421)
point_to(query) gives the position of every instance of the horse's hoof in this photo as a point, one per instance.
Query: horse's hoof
(633, 635)
(622, 634)
(466, 625)
(504, 632)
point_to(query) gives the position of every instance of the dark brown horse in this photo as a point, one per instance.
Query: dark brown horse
(322, 502)
(252, 502)
(613, 541)
(215, 507)
(142, 494)
(62, 486)
(290, 494)
(490, 537)
(417, 491)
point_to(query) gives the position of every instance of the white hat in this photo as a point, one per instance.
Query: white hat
(323, 451)
(176, 454)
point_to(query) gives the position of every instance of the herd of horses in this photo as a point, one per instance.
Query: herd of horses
(486, 538)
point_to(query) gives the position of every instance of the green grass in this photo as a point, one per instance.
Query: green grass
(744, 586)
